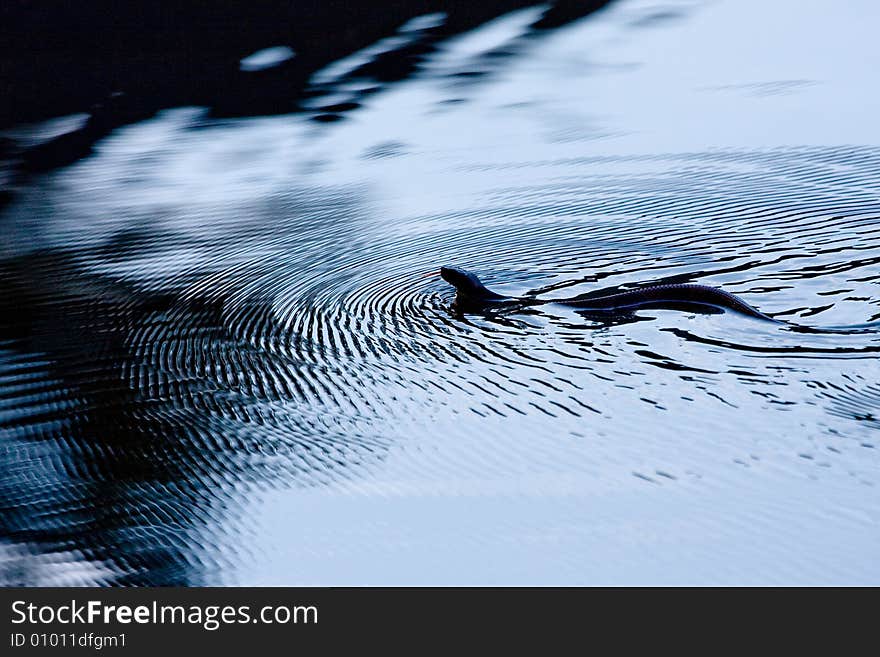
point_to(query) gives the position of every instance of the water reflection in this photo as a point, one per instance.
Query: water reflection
(207, 311)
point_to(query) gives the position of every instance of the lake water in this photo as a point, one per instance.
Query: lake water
(227, 357)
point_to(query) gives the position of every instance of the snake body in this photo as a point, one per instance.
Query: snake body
(472, 294)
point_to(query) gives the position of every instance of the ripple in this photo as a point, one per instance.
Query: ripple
(187, 325)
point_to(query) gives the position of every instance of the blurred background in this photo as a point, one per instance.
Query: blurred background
(226, 356)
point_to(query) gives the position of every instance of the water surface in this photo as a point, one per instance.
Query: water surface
(227, 357)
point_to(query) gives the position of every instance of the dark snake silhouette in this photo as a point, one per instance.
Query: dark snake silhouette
(472, 295)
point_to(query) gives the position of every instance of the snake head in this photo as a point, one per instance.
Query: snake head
(468, 286)
(463, 281)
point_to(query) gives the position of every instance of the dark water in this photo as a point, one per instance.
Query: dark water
(227, 356)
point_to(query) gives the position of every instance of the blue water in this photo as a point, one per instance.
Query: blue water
(227, 357)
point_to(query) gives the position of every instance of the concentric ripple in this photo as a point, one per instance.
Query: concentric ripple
(299, 351)
(205, 313)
